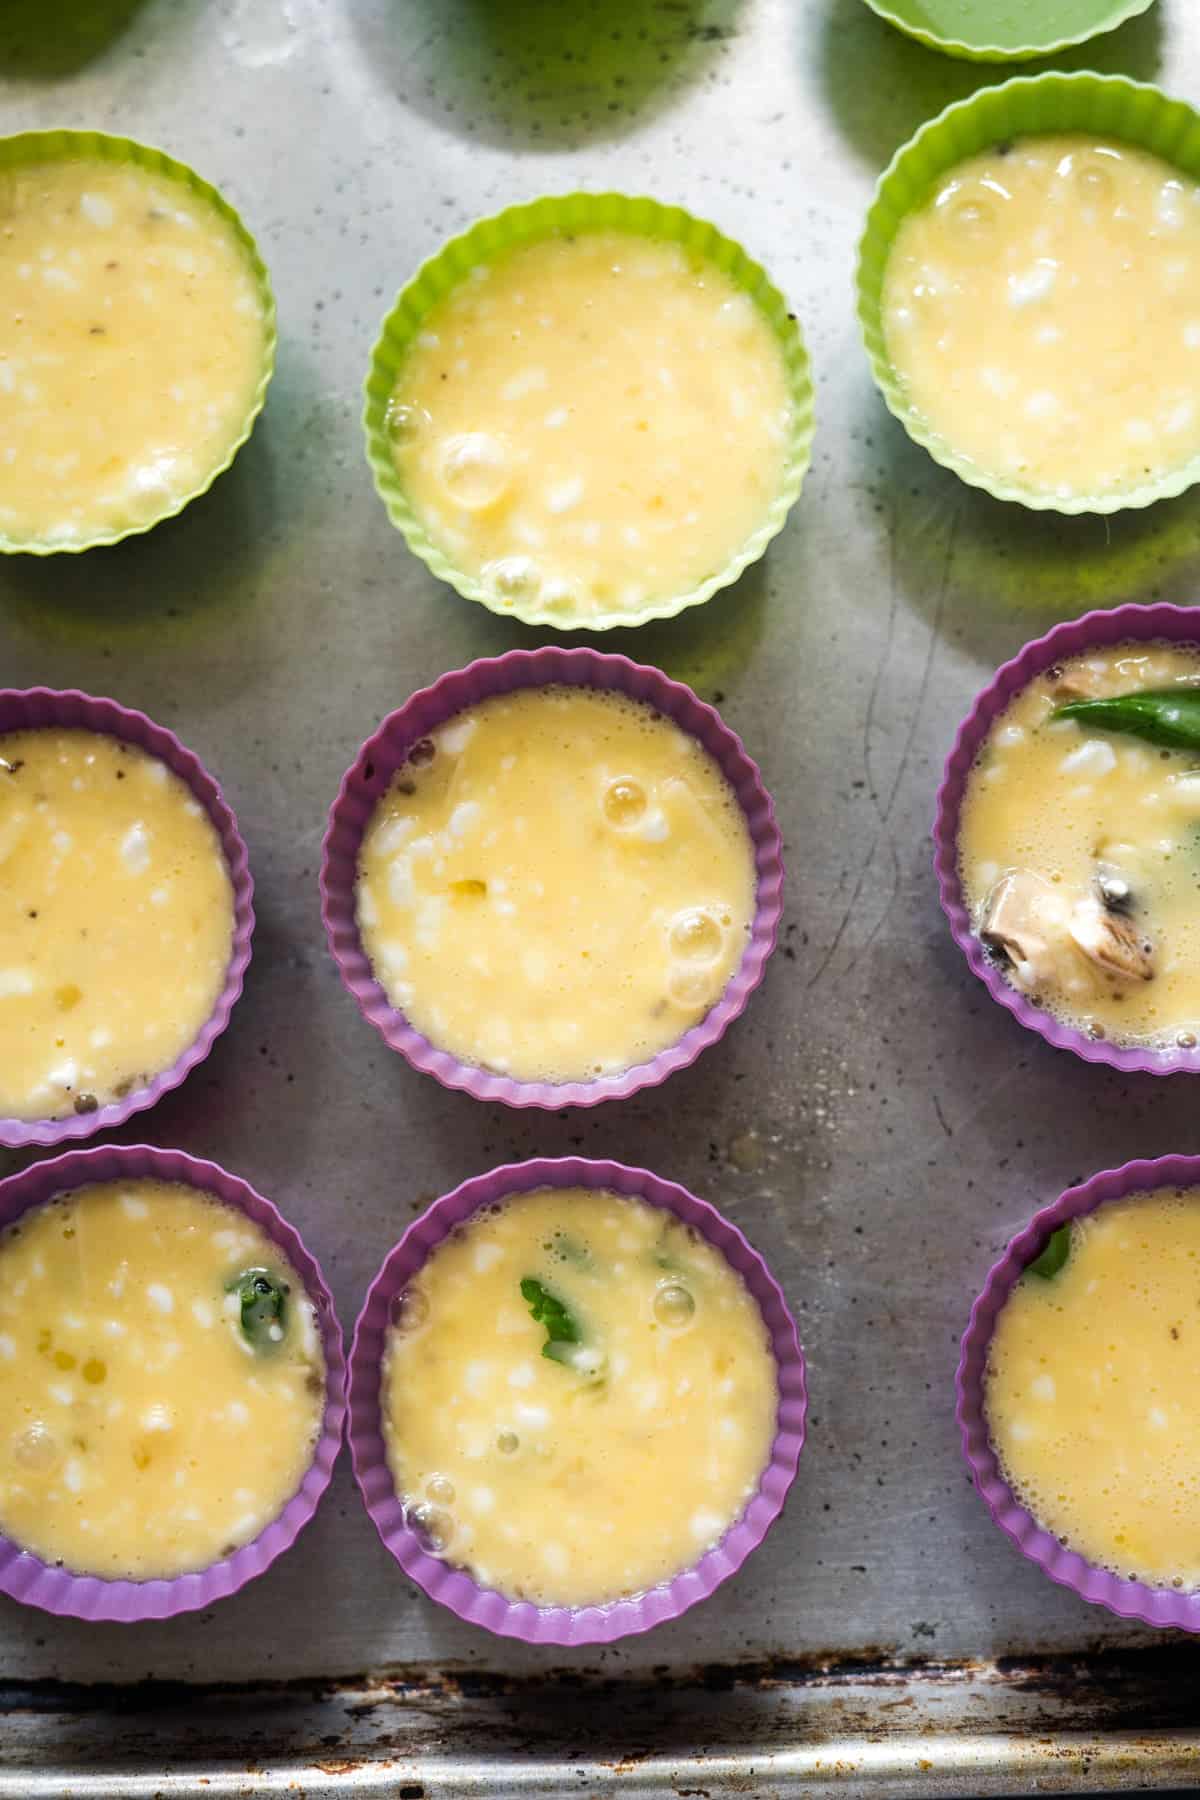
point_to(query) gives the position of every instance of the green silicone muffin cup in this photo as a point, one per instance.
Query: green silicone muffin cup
(1005, 30)
(1108, 105)
(66, 146)
(524, 224)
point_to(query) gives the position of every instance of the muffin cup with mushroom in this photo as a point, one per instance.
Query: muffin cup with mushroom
(1025, 933)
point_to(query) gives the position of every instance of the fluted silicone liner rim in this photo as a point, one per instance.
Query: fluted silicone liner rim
(62, 145)
(30, 709)
(1111, 105)
(1160, 1607)
(422, 713)
(452, 1587)
(1113, 17)
(24, 1576)
(526, 223)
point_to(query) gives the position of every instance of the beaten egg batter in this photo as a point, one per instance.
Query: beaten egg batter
(116, 920)
(1042, 313)
(1080, 853)
(576, 1481)
(147, 1431)
(131, 344)
(592, 422)
(557, 885)
(1093, 1390)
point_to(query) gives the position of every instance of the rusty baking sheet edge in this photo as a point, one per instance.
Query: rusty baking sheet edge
(1107, 1723)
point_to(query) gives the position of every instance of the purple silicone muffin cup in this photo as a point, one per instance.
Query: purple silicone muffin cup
(1094, 631)
(367, 781)
(29, 709)
(1100, 1587)
(454, 1588)
(25, 1576)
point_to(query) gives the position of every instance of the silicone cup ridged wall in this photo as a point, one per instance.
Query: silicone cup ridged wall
(1108, 105)
(24, 1576)
(526, 224)
(36, 708)
(1130, 1599)
(49, 146)
(452, 1587)
(366, 782)
(980, 47)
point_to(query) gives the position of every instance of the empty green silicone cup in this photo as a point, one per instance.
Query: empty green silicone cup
(1005, 30)
(524, 224)
(1107, 105)
(31, 147)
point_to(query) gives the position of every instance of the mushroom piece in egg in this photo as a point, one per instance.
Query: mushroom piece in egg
(1026, 922)
(1111, 940)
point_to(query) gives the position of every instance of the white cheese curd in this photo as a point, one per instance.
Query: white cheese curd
(557, 375)
(567, 1491)
(104, 981)
(1039, 313)
(121, 319)
(147, 1407)
(594, 856)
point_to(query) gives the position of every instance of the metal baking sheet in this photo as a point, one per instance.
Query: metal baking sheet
(874, 1123)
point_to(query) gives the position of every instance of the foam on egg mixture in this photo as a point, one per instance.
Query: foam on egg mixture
(557, 884)
(116, 920)
(579, 1397)
(1093, 1389)
(1041, 310)
(131, 344)
(591, 423)
(162, 1380)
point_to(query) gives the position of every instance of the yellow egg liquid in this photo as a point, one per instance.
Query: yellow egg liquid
(116, 920)
(142, 1433)
(558, 884)
(570, 1484)
(592, 423)
(1093, 1390)
(1042, 313)
(131, 344)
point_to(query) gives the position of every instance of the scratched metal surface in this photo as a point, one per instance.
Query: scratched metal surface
(875, 1125)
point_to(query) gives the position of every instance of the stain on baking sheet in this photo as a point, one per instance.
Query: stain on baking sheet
(533, 72)
(1139, 1690)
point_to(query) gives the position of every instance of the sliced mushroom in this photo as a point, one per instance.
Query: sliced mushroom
(1080, 682)
(1026, 921)
(1111, 941)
